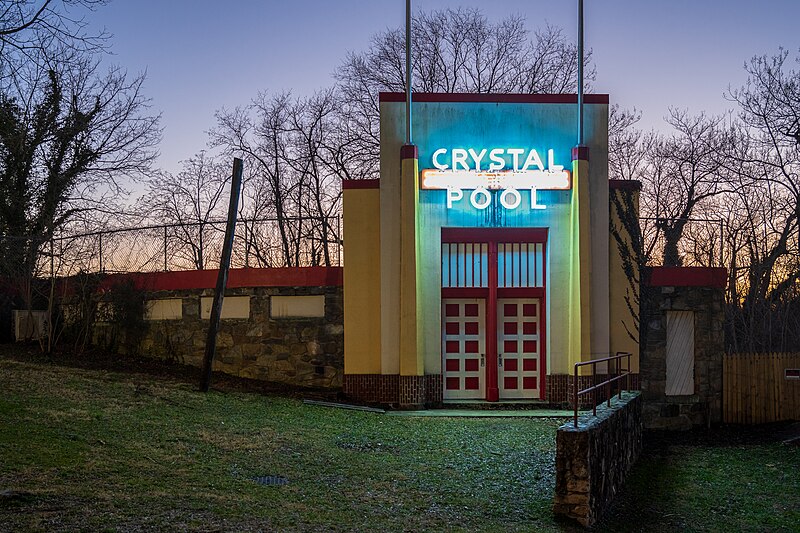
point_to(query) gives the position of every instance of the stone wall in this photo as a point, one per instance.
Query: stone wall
(306, 351)
(593, 460)
(704, 406)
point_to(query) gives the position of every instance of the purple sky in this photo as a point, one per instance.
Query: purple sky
(201, 56)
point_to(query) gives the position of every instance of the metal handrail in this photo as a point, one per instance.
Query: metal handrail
(607, 383)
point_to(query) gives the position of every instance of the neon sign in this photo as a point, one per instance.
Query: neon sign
(497, 169)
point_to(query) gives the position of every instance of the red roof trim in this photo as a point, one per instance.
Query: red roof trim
(237, 278)
(496, 98)
(625, 185)
(361, 184)
(716, 277)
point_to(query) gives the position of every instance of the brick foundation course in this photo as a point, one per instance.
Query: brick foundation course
(427, 391)
(405, 392)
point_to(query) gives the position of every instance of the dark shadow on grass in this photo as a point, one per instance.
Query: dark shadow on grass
(651, 498)
(161, 369)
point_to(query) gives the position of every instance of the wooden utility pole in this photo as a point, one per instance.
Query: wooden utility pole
(222, 278)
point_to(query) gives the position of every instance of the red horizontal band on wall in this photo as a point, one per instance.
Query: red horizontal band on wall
(716, 277)
(494, 234)
(496, 98)
(237, 278)
(361, 184)
(465, 292)
(625, 185)
(520, 292)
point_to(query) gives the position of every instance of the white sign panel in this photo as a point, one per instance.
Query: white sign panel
(486, 170)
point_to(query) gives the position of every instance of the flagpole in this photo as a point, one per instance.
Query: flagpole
(580, 72)
(408, 72)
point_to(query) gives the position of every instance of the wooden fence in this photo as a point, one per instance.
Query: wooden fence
(757, 388)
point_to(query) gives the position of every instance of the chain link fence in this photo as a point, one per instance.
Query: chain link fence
(293, 241)
(194, 246)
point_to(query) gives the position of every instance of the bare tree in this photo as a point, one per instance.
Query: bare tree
(297, 156)
(684, 170)
(259, 132)
(68, 141)
(764, 305)
(628, 146)
(188, 201)
(36, 34)
(455, 50)
(770, 99)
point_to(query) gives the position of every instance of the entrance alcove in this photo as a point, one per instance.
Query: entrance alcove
(479, 266)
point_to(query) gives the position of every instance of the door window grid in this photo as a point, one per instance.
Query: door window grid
(520, 264)
(463, 348)
(519, 345)
(465, 265)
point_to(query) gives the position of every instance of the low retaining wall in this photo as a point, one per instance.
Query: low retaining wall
(593, 460)
(281, 325)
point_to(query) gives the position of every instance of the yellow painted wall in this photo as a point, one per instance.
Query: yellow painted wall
(599, 245)
(390, 248)
(620, 316)
(581, 267)
(362, 281)
(411, 355)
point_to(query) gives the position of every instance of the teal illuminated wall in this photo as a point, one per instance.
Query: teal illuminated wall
(478, 125)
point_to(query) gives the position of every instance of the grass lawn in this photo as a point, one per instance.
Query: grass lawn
(109, 450)
(93, 449)
(730, 480)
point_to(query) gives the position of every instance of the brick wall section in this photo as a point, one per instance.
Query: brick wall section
(434, 390)
(428, 390)
(412, 392)
(593, 460)
(299, 351)
(372, 388)
(705, 405)
(394, 390)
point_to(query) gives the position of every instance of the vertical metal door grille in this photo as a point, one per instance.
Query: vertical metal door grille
(465, 264)
(520, 264)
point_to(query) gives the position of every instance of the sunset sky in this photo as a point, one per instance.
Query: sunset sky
(201, 55)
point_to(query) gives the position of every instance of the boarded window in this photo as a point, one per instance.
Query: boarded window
(297, 306)
(29, 325)
(680, 353)
(232, 307)
(167, 309)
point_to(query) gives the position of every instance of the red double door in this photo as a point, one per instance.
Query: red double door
(493, 293)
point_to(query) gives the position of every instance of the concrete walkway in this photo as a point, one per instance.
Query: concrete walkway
(465, 412)
(486, 413)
